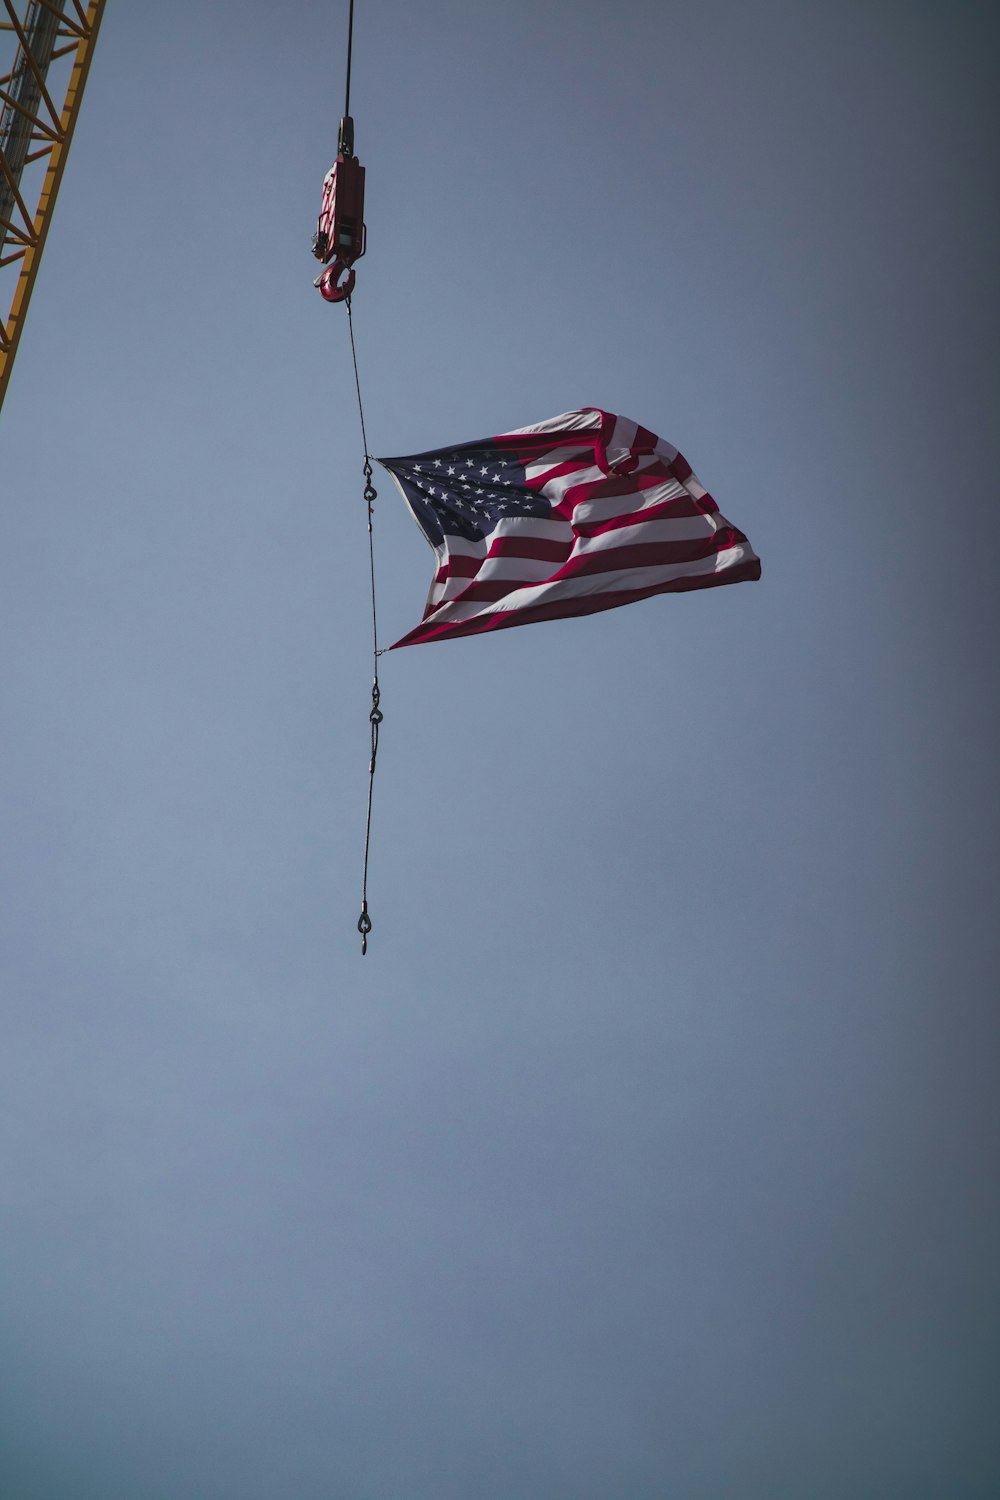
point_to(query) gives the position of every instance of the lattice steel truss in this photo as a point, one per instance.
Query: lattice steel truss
(47, 49)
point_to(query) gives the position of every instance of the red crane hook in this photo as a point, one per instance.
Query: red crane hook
(340, 229)
(327, 282)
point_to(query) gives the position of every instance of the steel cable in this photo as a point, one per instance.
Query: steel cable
(375, 715)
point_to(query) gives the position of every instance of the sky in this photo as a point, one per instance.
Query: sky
(651, 1150)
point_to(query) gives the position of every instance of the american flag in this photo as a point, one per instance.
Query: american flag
(583, 512)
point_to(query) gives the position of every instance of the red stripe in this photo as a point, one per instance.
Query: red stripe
(547, 549)
(685, 507)
(570, 466)
(609, 560)
(460, 566)
(649, 554)
(613, 485)
(584, 605)
(538, 549)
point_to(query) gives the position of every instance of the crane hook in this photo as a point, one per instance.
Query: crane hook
(327, 281)
(340, 229)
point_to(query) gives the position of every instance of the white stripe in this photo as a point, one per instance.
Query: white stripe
(621, 581)
(556, 458)
(525, 568)
(607, 507)
(589, 474)
(584, 420)
(679, 529)
(664, 531)
(546, 528)
(555, 489)
(620, 445)
(519, 569)
(531, 527)
(462, 546)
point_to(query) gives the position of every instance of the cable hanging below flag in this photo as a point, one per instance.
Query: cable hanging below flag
(339, 241)
(375, 715)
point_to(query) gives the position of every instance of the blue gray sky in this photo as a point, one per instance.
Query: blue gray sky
(651, 1150)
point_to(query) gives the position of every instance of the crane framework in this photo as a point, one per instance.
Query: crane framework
(45, 52)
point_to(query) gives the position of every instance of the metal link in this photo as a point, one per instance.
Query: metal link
(375, 718)
(364, 927)
(370, 492)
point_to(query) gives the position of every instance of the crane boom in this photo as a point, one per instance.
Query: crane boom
(53, 47)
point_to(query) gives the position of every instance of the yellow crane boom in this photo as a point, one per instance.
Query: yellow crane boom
(51, 44)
